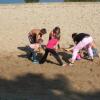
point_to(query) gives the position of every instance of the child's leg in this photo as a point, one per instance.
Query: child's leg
(56, 56)
(34, 57)
(90, 51)
(74, 55)
(30, 51)
(76, 49)
(44, 56)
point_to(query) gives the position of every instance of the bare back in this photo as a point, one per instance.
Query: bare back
(34, 35)
(34, 31)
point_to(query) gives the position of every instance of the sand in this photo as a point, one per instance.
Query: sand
(20, 79)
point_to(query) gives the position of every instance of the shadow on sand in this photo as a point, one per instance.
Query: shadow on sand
(65, 56)
(37, 87)
(27, 53)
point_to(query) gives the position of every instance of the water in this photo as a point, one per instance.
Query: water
(27, 1)
(32, 1)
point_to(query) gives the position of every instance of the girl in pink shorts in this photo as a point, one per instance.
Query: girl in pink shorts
(81, 40)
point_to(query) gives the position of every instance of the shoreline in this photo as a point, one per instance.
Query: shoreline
(51, 3)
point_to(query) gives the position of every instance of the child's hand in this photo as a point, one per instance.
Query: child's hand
(68, 49)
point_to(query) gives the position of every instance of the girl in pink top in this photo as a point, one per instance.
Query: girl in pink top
(52, 34)
(50, 48)
(52, 43)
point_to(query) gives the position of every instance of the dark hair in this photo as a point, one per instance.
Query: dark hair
(55, 29)
(43, 31)
(57, 36)
(73, 35)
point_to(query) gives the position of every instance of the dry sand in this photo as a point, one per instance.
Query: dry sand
(20, 79)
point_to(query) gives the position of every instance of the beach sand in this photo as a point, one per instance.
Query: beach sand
(20, 79)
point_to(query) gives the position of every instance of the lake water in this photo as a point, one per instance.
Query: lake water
(31, 1)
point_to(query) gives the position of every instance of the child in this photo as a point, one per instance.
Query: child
(52, 34)
(81, 40)
(35, 35)
(50, 48)
(35, 38)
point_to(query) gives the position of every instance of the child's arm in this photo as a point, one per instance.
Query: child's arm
(39, 38)
(93, 44)
(69, 49)
(50, 35)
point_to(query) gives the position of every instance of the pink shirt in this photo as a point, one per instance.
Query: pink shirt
(52, 43)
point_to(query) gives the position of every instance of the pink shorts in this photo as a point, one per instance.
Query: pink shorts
(85, 42)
